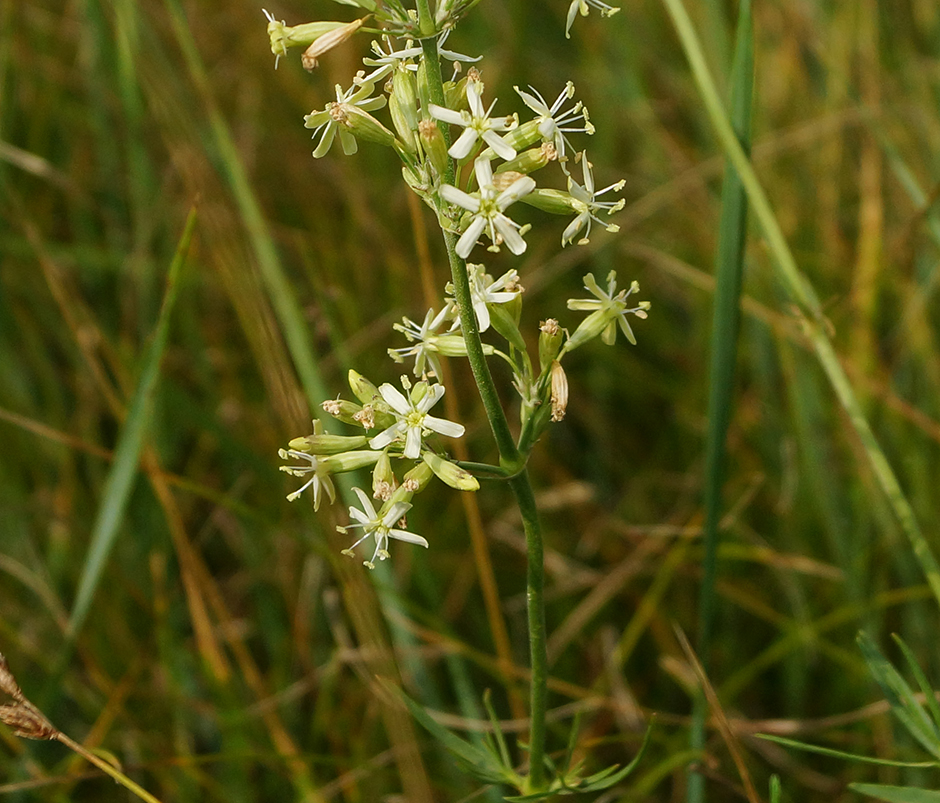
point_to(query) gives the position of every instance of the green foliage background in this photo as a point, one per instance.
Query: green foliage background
(229, 652)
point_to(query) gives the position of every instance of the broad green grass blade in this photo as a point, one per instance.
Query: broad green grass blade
(729, 267)
(117, 487)
(815, 326)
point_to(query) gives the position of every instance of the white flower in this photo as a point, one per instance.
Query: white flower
(412, 421)
(424, 336)
(553, 123)
(379, 525)
(477, 124)
(320, 480)
(485, 290)
(607, 312)
(329, 119)
(582, 6)
(488, 210)
(585, 201)
(393, 57)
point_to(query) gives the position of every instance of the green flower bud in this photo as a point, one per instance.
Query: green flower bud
(383, 478)
(350, 461)
(432, 140)
(550, 338)
(327, 42)
(362, 125)
(554, 202)
(342, 410)
(403, 106)
(522, 136)
(284, 36)
(362, 388)
(449, 473)
(529, 161)
(325, 444)
(455, 94)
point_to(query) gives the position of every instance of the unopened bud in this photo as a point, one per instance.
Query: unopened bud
(327, 42)
(432, 140)
(361, 124)
(284, 36)
(403, 106)
(559, 387)
(321, 443)
(550, 338)
(362, 388)
(555, 202)
(450, 473)
(529, 161)
(383, 478)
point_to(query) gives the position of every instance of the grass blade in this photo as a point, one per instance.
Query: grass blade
(117, 487)
(726, 321)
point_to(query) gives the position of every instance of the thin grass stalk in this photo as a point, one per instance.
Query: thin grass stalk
(815, 326)
(118, 486)
(289, 312)
(729, 268)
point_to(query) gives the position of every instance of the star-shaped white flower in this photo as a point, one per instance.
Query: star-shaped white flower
(412, 421)
(608, 310)
(424, 337)
(585, 201)
(477, 124)
(487, 207)
(583, 7)
(320, 481)
(379, 525)
(329, 119)
(485, 290)
(554, 123)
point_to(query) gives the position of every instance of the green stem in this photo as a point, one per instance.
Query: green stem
(538, 650)
(509, 456)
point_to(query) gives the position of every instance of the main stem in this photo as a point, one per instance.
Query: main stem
(509, 455)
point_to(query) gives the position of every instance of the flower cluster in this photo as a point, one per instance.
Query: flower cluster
(474, 168)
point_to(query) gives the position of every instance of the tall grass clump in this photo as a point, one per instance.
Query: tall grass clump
(714, 579)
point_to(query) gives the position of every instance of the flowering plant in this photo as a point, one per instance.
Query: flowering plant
(469, 165)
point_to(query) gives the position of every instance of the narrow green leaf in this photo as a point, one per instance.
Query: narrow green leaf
(123, 471)
(926, 688)
(826, 751)
(896, 794)
(729, 268)
(900, 695)
(477, 762)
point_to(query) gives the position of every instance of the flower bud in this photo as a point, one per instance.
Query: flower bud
(523, 136)
(350, 461)
(321, 443)
(403, 106)
(342, 410)
(362, 388)
(559, 394)
(283, 36)
(550, 338)
(383, 478)
(432, 140)
(529, 161)
(327, 42)
(554, 202)
(449, 473)
(361, 124)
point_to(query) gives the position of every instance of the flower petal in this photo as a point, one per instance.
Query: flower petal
(447, 428)
(411, 538)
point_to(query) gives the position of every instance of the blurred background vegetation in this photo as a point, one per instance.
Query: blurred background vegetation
(230, 652)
